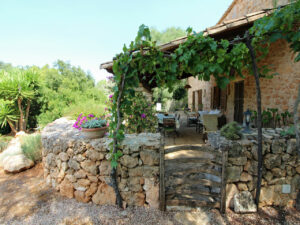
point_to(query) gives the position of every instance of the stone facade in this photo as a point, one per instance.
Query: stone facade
(79, 168)
(281, 167)
(278, 92)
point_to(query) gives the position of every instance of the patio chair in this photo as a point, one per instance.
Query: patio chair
(191, 118)
(199, 125)
(210, 124)
(169, 126)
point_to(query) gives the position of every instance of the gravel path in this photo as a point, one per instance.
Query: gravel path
(25, 199)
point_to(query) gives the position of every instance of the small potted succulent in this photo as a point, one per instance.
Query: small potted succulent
(91, 126)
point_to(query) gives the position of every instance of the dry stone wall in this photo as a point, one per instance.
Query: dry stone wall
(281, 167)
(79, 168)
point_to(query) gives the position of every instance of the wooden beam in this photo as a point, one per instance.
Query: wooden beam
(192, 203)
(188, 181)
(197, 169)
(223, 180)
(162, 203)
(193, 147)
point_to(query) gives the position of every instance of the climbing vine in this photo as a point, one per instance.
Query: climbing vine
(200, 56)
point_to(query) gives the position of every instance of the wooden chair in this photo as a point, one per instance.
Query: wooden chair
(199, 125)
(210, 124)
(191, 118)
(169, 126)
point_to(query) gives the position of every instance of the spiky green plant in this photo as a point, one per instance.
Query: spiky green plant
(232, 131)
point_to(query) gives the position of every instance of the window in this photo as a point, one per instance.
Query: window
(219, 98)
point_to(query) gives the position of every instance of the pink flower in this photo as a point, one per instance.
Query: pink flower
(143, 115)
(105, 109)
(91, 115)
(107, 124)
(110, 96)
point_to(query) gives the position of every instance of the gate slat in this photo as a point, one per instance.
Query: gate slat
(201, 169)
(162, 198)
(192, 203)
(223, 186)
(192, 147)
(185, 180)
(186, 191)
(193, 160)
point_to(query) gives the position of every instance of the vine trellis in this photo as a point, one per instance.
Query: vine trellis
(199, 56)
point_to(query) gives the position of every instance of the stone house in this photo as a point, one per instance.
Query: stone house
(279, 92)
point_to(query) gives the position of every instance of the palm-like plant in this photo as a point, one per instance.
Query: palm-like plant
(8, 115)
(18, 86)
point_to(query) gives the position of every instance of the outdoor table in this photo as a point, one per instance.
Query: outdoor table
(161, 118)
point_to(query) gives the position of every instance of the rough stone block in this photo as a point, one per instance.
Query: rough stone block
(81, 197)
(105, 168)
(129, 161)
(105, 195)
(243, 203)
(66, 188)
(89, 166)
(150, 157)
(271, 161)
(233, 173)
(238, 161)
(231, 190)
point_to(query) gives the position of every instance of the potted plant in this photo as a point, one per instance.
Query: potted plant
(91, 126)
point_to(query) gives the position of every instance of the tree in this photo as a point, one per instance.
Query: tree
(17, 89)
(166, 35)
(8, 115)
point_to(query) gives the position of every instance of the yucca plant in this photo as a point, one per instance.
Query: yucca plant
(8, 115)
(18, 87)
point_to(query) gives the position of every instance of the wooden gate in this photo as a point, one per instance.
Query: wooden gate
(192, 176)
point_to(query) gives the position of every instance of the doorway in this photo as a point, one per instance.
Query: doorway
(239, 101)
(200, 105)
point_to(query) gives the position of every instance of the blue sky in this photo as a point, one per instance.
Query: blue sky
(88, 32)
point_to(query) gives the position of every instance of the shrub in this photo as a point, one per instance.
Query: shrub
(142, 117)
(31, 146)
(4, 140)
(179, 93)
(87, 107)
(231, 131)
(289, 132)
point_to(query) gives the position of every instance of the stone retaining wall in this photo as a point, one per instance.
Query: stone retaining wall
(79, 168)
(281, 167)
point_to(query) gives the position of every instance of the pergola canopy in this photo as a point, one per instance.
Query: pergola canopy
(226, 30)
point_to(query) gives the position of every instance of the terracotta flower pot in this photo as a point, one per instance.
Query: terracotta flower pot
(93, 133)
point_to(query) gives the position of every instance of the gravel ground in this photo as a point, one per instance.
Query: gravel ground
(25, 199)
(68, 211)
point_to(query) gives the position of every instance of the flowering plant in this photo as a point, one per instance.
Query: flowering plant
(90, 121)
(142, 117)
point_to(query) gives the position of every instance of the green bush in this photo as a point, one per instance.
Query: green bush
(290, 132)
(231, 131)
(179, 93)
(4, 140)
(32, 147)
(142, 117)
(87, 107)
